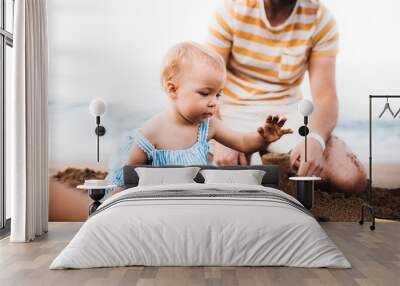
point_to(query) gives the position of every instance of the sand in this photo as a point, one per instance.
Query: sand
(329, 204)
(73, 177)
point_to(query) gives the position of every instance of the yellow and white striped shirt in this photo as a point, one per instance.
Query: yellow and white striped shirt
(267, 63)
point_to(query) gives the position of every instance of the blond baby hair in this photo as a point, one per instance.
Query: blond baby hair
(188, 52)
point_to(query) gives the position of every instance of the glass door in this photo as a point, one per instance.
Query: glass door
(6, 44)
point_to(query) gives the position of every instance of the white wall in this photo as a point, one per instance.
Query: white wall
(113, 49)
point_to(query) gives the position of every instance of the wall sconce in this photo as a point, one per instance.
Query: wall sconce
(305, 108)
(97, 108)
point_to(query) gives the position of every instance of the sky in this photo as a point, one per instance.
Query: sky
(368, 61)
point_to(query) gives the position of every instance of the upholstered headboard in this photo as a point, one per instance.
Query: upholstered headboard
(270, 179)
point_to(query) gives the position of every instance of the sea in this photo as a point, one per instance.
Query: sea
(385, 139)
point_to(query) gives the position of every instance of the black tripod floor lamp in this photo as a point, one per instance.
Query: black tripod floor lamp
(369, 204)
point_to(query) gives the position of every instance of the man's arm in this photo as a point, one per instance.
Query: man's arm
(322, 120)
(323, 89)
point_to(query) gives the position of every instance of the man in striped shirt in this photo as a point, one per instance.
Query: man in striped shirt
(268, 45)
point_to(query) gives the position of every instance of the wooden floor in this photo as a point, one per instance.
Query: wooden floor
(375, 257)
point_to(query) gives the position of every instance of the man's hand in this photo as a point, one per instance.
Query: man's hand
(227, 156)
(272, 129)
(315, 159)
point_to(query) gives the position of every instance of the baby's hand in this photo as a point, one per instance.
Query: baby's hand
(272, 129)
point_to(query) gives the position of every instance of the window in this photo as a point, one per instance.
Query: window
(6, 44)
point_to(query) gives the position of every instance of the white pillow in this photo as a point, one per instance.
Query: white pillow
(164, 176)
(249, 177)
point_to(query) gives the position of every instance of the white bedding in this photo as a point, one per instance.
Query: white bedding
(182, 231)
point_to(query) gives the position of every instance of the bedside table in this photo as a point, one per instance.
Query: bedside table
(96, 193)
(305, 190)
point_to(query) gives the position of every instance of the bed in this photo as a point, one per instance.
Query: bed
(198, 224)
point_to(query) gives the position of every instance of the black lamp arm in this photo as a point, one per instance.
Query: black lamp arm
(303, 131)
(100, 131)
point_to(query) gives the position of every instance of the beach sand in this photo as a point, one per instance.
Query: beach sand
(331, 204)
(70, 204)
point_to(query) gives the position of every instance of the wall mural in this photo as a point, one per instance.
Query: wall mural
(100, 50)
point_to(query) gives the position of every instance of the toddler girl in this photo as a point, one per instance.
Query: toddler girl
(193, 77)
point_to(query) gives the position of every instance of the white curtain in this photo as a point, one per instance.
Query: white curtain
(29, 137)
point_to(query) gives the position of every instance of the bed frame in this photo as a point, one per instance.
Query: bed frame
(270, 179)
(131, 178)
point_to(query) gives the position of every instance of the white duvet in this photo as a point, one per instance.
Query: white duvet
(183, 231)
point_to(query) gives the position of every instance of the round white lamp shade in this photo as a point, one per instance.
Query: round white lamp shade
(97, 107)
(305, 107)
